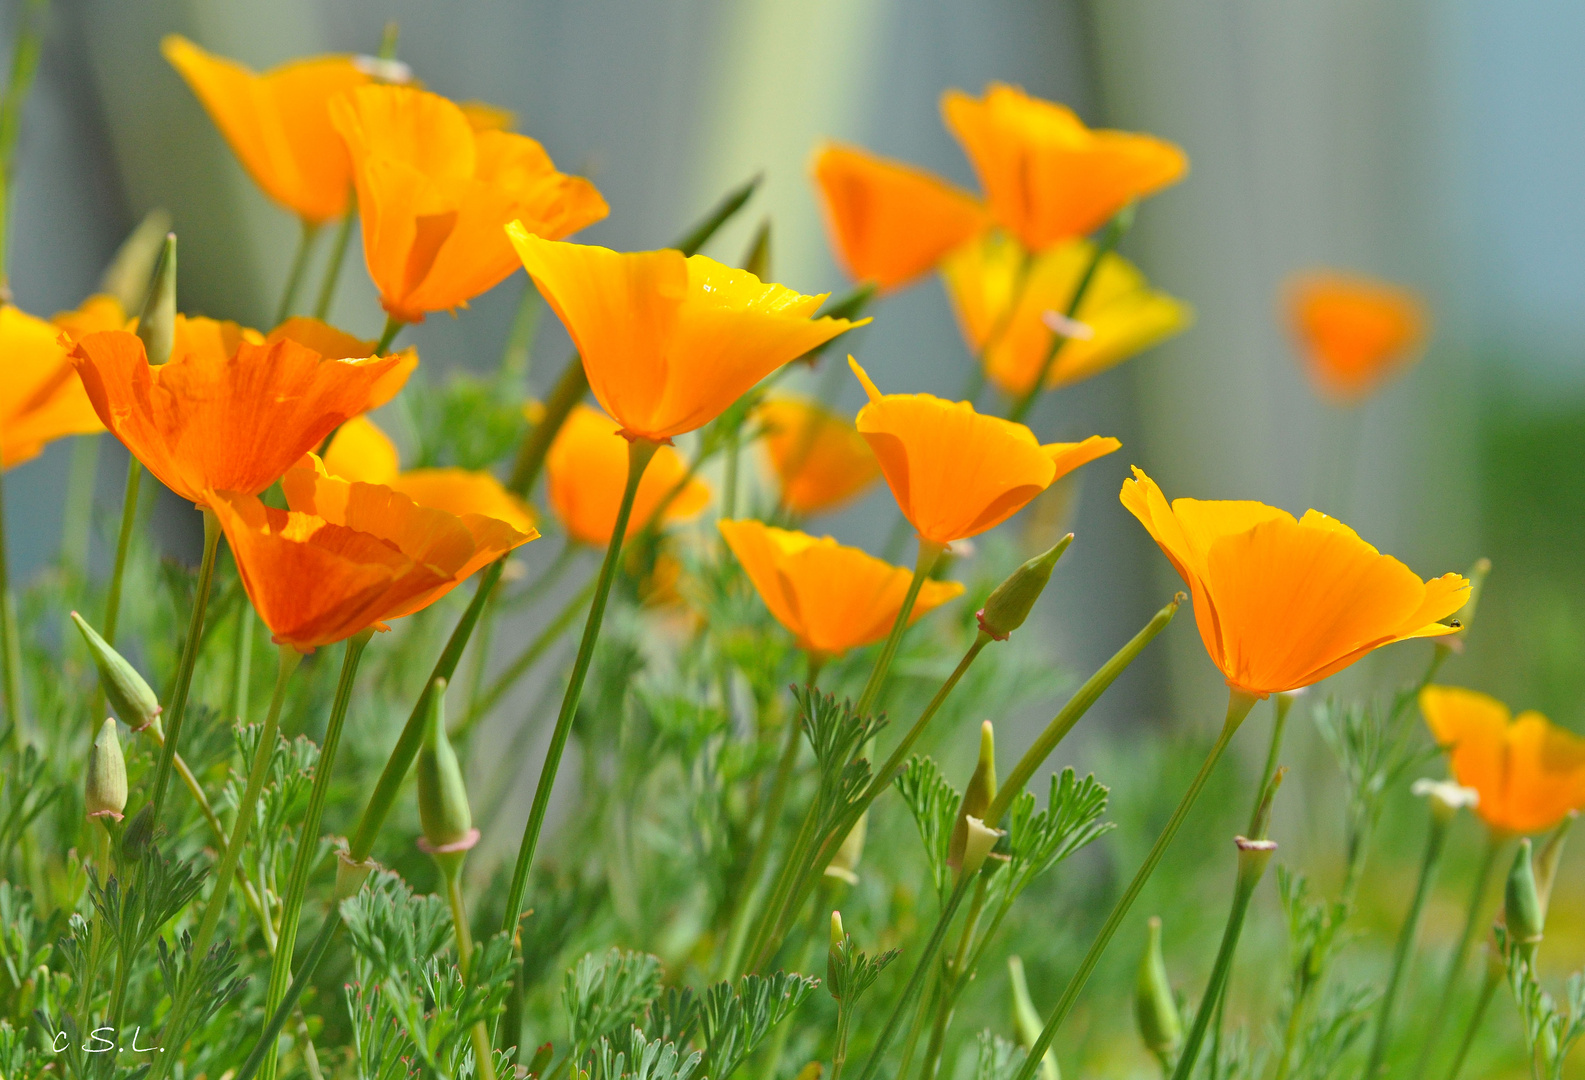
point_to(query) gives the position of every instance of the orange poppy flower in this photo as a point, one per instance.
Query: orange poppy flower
(482, 116)
(433, 194)
(670, 341)
(1528, 772)
(229, 412)
(99, 312)
(1122, 314)
(586, 472)
(1047, 177)
(1354, 331)
(278, 123)
(1280, 603)
(41, 399)
(956, 473)
(890, 223)
(831, 598)
(819, 457)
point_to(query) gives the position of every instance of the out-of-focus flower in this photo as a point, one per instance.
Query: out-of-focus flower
(1528, 771)
(669, 341)
(1120, 312)
(890, 223)
(586, 472)
(830, 597)
(1283, 603)
(433, 195)
(819, 457)
(956, 473)
(1353, 331)
(99, 312)
(41, 398)
(1047, 176)
(482, 116)
(361, 452)
(278, 123)
(229, 412)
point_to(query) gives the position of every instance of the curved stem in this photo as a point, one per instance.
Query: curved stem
(184, 669)
(294, 279)
(129, 514)
(393, 326)
(1455, 965)
(338, 255)
(929, 552)
(1281, 703)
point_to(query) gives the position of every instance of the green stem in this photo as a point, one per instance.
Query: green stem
(77, 521)
(953, 974)
(294, 278)
(10, 643)
(242, 660)
(305, 971)
(1487, 989)
(184, 668)
(1406, 938)
(929, 552)
(1455, 966)
(338, 255)
(640, 451)
(129, 517)
(1281, 703)
(308, 835)
(29, 45)
(393, 326)
(1238, 706)
(484, 1061)
(570, 387)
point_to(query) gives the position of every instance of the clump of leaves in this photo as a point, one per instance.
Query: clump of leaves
(933, 802)
(1549, 1031)
(734, 1020)
(605, 994)
(637, 1058)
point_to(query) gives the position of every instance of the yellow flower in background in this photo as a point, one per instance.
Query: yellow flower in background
(1120, 312)
(819, 458)
(278, 123)
(955, 472)
(586, 471)
(41, 397)
(1047, 176)
(670, 341)
(361, 452)
(1354, 331)
(482, 116)
(830, 597)
(99, 312)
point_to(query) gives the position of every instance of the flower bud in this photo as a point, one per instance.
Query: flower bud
(106, 794)
(1546, 861)
(846, 861)
(1026, 1018)
(837, 934)
(1154, 1006)
(1010, 602)
(977, 848)
(129, 695)
(157, 323)
(127, 276)
(443, 811)
(1522, 908)
(977, 798)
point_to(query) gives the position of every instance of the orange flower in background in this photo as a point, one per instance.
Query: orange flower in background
(955, 472)
(223, 416)
(831, 598)
(890, 223)
(1280, 603)
(1528, 771)
(1354, 331)
(278, 123)
(361, 452)
(670, 341)
(586, 472)
(41, 398)
(1121, 312)
(433, 195)
(1046, 175)
(819, 457)
(99, 312)
(482, 116)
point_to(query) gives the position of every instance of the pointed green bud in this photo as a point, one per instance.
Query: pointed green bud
(129, 695)
(127, 276)
(1011, 602)
(1522, 908)
(106, 794)
(157, 323)
(845, 863)
(1026, 1018)
(1546, 862)
(757, 261)
(443, 809)
(837, 933)
(1154, 1006)
(977, 798)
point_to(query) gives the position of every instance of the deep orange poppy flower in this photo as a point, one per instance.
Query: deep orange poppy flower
(1528, 772)
(1280, 603)
(956, 473)
(586, 472)
(819, 457)
(1047, 177)
(890, 223)
(433, 195)
(1354, 332)
(830, 597)
(1123, 315)
(278, 123)
(669, 341)
(41, 398)
(229, 412)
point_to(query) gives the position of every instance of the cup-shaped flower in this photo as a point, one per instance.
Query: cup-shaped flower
(586, 472)
(41, 398)
(819, 457)
(956, 473)
(1047, 176)
(830, 597)
(668, 341)
(1354, 332)
(433, 195)
(1528, 772)
(1283, 603)
(278, 123)
(1121, 315)
(890, 223)
(229, 412)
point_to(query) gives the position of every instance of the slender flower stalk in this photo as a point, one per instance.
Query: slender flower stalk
(10, 644)
(393, 326)
(929, 552)
(1488, 989)
(294, 277)
(129, 516)
(1281, 703)
(338, 256)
